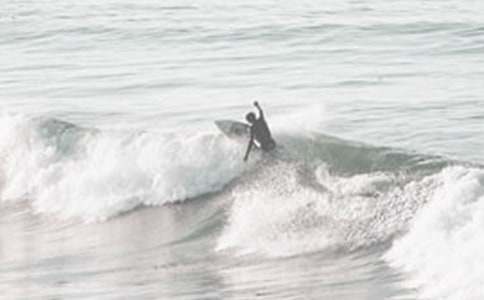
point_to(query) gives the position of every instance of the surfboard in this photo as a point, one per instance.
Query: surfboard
(234, 129)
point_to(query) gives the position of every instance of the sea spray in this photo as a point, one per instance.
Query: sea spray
(282, 215)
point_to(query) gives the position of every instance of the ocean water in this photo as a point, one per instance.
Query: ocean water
(115, 183)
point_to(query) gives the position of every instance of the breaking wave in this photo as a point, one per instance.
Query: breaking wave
(94, 175)
(442, 251)
(320, 193)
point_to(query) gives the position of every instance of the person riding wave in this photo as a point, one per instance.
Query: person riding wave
(259, 132)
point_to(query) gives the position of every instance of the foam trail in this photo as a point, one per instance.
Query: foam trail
(443, 250)
(95, 175)
(283, 215)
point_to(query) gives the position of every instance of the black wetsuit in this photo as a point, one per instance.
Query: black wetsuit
(261, 133)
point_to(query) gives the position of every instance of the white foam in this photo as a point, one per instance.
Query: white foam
(267, 217)
(359, 184)
(443, 250)
(282, 215)
(111, 172)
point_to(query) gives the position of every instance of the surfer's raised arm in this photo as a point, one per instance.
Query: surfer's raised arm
(261, 113)
(249, 147)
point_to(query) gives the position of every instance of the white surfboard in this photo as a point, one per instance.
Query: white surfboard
(234, 129)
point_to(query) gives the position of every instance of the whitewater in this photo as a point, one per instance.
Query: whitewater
(116, 184)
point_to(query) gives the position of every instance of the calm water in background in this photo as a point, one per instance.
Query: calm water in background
(115, 183)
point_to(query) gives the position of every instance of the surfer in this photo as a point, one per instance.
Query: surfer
(259, 132)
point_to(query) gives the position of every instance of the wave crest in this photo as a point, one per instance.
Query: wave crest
(94, 175)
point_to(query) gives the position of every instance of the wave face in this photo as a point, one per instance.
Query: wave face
(94, 175)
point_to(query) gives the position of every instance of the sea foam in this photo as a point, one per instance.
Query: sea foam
(283, 213)
(93, 175)
(443, 249)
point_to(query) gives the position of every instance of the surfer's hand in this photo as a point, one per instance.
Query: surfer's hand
(245, 158)
(256, 104)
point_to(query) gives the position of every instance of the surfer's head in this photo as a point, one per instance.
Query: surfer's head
(250, 117)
